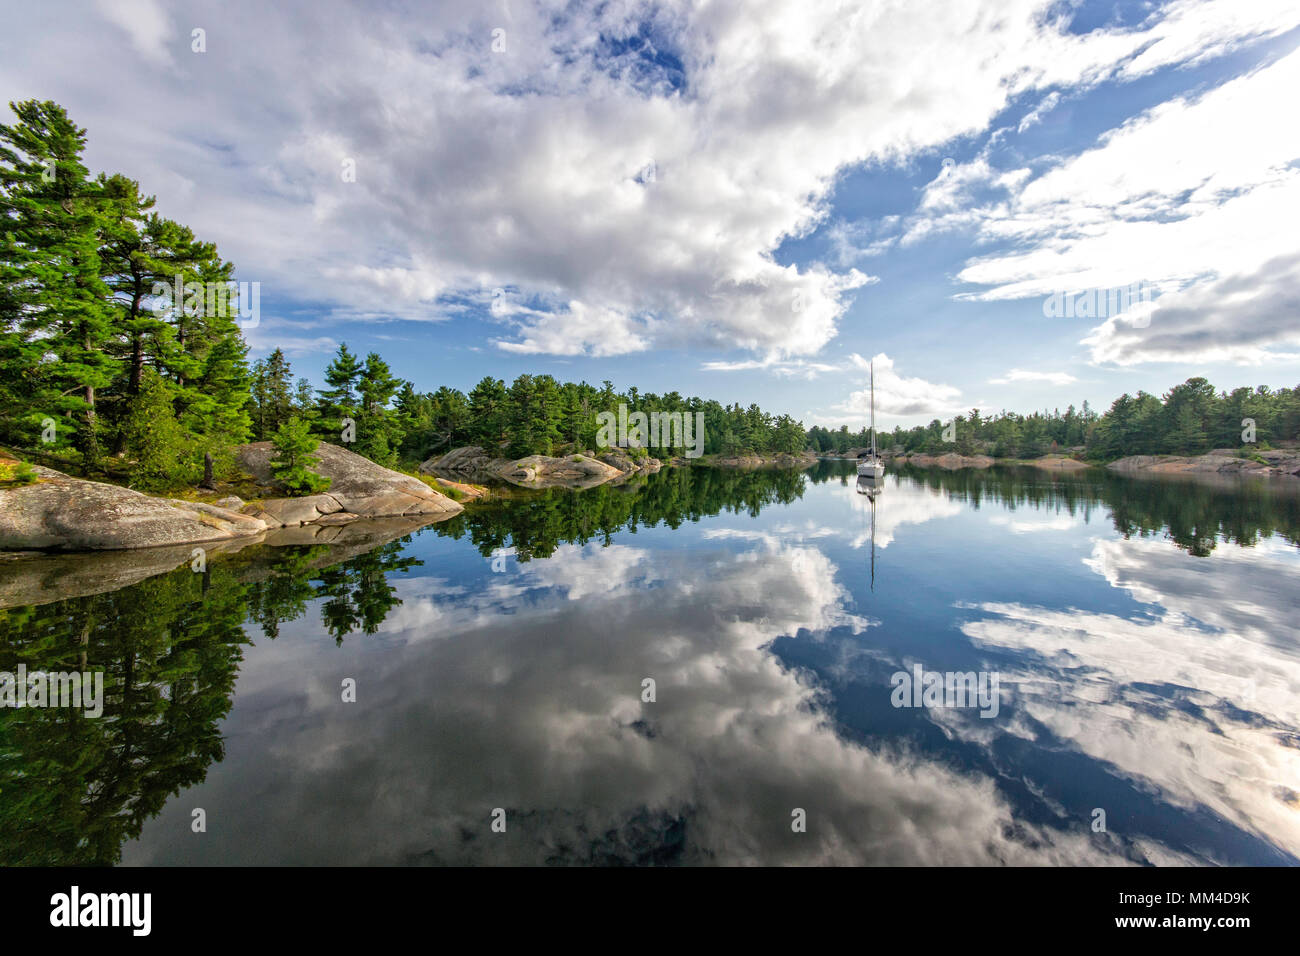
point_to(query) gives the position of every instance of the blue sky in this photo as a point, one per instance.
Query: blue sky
(741, 201)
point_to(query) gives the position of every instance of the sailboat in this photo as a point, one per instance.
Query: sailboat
(872, 467)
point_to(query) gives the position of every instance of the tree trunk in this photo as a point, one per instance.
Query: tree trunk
(90, 442)
(133, 384)
(180, 340)
(137, 340)
(137, 363)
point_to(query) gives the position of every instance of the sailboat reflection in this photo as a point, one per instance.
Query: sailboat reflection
(871, 486)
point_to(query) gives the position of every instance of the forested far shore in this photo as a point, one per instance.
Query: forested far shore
(1189, 419)
(534, 415)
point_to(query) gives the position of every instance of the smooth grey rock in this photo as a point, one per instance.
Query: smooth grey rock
(469, 460)
(61, 513)
(281, 512)
(1213, 463)
(338, 517)
(534, 471)
(357, 486)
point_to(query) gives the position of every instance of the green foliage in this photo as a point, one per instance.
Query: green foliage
(304, 399)
(379, 428)
(533, 416)
(17, 473)
(291, 464)
(161, 456)
(272, 403)
(537, 415)
(55, 316)
(1190, 420)
(486, 419)
(452, 492)
(80, 325)
(339, 400)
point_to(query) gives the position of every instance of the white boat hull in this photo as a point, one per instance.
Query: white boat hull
(871, 469)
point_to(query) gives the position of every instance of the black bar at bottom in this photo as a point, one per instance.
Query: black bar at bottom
(334, 905)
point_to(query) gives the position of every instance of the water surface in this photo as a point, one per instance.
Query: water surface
(1141, 633)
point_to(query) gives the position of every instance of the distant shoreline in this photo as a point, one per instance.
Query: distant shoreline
(1272, 463)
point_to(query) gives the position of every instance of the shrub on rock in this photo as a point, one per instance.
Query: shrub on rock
(293, 459)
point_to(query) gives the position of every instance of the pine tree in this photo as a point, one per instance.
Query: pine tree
(379, 433)
(218, 418)
(160, 455)
(258, 401)
(56, 320)
(413, 413)
(291, 464)
(1185, 435)
(448, 416)
(278, 389)
(132, 262)
(1187, 412)
(339, 401)
(304, 400)
(533, 415)
(487, 411)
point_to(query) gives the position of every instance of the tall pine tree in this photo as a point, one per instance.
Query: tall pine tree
(339, 400)
(56, 319)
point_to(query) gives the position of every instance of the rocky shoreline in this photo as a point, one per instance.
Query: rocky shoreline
(473, 464)
(952, 461)
(62, 513)
(749, 462)
(1275, 463)
(359, 488)
(583, 470)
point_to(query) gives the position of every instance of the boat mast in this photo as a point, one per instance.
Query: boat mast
(873, 410)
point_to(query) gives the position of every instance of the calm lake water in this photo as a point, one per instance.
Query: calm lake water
(1142, 636)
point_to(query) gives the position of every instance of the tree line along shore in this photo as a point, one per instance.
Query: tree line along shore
(1190, 419)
